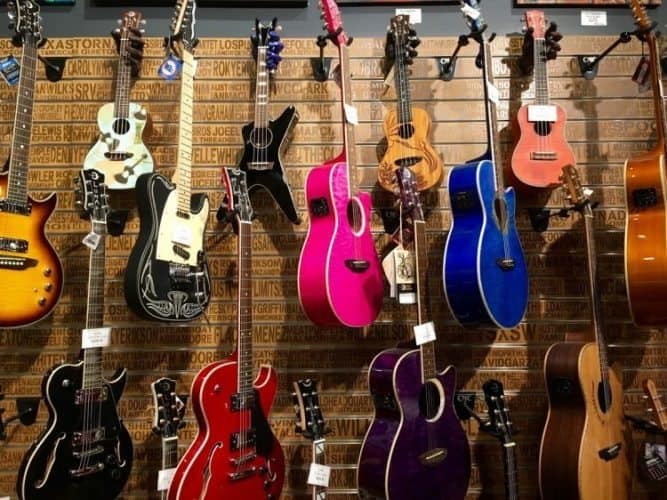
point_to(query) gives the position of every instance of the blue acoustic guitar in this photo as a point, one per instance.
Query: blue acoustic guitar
(484, 270)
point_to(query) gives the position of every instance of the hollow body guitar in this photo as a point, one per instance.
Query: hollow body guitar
(415, 446)
(167, 276)
(586, 398)
(31, 275)
(234, 454)
(484, 272)
(646, 206)
(120, 153)
(339, 276)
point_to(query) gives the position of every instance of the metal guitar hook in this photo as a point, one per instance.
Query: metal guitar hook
(27, 414)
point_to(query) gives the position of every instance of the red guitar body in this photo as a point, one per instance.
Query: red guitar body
(542, 151)
(211, 469)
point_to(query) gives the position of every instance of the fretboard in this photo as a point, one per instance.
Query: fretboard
(404, 104)
(262, 90)
(491, 97)
(92, 357)
(245, 309)
(511, 481)
(541, 76)
(318, 457)
(349, 140)
(17, 188)
(123, 79)
(658, 90)
(429, 369)
(183, 174)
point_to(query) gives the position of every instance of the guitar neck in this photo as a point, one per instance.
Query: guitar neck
(262, 90)
(541, 76)
(491, 97)
(17, 187)
(404, 99)
(92, 357)
(429, 369)
(511, 480)
(349, 140)
(244, 326)
(123, 79)
(658, 90)
(318, 457)
(183, 174)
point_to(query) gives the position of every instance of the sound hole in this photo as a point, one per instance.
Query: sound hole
(405, 130)
(605, 402)
(121, 126)
(354, 216)
(542, 128)
(261, 137)
(429, 400)
(500, 212)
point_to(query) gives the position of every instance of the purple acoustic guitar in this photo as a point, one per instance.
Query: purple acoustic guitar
(339, 276)
(415, 448)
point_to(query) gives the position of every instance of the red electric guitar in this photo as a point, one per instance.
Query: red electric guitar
(234, 454)
(542, 150)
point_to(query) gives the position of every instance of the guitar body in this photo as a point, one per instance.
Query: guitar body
(331, 290)
(409, 145)
(542, 150)
(120, 153)
(646, 237)
(31, 280)
(203, 473)
(161, 283)
(400, 435)
(572, 468)
(45, 472)
(476, 286)
(262, 159)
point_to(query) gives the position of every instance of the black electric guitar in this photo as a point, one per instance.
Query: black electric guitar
(310, 423)
(85, 452)
(167, 273)
(167, 420)
(265, 139)
(500, 426)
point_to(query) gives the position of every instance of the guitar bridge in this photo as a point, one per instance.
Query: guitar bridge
(237, 476)
(433, 457)
(644, 198)
(243, 460)
(610, 452)
(18, 263)
(505, 264)
(87, 471)
(118, 156)
(408, 161)
(357, 265)
(544, 155)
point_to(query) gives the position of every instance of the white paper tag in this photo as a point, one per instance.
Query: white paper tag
(593, 18)
(404, 263)
(318, 475)
(414, 15)
(95, 337)
(389, 268)
(494, 94)
(92, 240)
(5, 498)
(424, 333)
(471, 12)
(182, 234)
(542, 113)
(164, 478)
(351, 114)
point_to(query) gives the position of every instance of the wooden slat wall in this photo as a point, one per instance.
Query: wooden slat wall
(609, 120)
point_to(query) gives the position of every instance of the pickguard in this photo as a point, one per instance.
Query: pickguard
(185, 234)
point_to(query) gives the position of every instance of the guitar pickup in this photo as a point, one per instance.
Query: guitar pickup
(357, 265)
(15, 208)
(243, 460)
(610, 452)
(181, 252)
(319, 207)
(96, 395)
(237, 476)
(544, 155)
(248, 441)
(644, 198)
(18, 263)
(13, 245)
(87, 471)
(239, 402)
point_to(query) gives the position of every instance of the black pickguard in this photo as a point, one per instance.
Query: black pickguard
(274, 179)
(265, 438)
(151, 289)
(55, 444)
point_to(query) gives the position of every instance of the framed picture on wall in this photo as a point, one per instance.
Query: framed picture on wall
(608, 3)
(204, 3)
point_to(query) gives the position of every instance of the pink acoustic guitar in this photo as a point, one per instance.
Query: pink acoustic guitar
(340, 281)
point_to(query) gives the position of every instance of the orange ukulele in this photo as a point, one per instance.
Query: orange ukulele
(646, 220)
(542, 150)
(407, 127)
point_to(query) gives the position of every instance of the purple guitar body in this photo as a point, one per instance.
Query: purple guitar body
(404, 456)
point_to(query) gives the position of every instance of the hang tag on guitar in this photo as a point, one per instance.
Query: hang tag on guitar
(170, 67)
(406, 284)
(10, 70)
(95, 337)
(319, 475)
(389, 268)
(164, 478)
(424, 333)
(642, 75)
(351, 114)
(92, 240)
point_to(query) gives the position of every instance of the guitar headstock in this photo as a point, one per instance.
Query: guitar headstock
(404, 39)
(24, 19)
(169, 408)
(91, 196)
(333, 23)
(183, 25)
(571, 183)
(657, 410)
(536, 20)
(309, 419)
(237, 199)
(130, 20)
(472, 13)
(266, 35)
(408, 194)
(499, 423)
(641, 17)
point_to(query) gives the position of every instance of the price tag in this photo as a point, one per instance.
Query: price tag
(471, 12)
(10, 70)
(406, 287)
(593, 18)
(541, 113)
(414, 15)
(642, 75)
(389, 268)
(182, 234)
(95, 337)
(164, 478)
(494, 94)
(351, 114)
(5, 498)
(92, 240)
(170, 67)
(424, 333)
(318, 475)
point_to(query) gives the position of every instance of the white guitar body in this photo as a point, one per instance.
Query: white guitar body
(120, 153)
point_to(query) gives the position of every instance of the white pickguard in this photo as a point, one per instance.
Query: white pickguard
(174, 229)
(120, 174)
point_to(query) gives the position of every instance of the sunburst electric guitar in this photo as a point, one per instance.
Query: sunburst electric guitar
(120, 153)
(31, 275)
